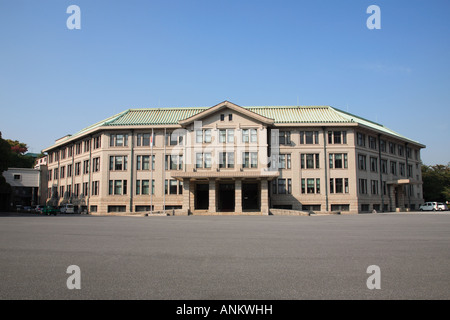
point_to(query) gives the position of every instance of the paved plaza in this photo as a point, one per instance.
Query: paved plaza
(226, 257)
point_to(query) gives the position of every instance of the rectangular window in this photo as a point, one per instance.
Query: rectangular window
(281, 186)
(118, 140)
(362, 186)
(85, 166)
(95, 185)
(382, 145)
(373, 164)
(394, 168)
(77, 168)
(391, 148)
(361, 162)
(96, 164)
(62, 172)
(284, 137)
(118, 163)
(374, 186)
(401, 167)
(310, 186)
(69, 170)
(372, 143)
(361, 139)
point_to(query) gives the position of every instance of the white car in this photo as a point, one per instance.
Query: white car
(429, 206)
(67, 208)
(442, 206)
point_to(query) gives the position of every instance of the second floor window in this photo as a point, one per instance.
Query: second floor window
(118, 163)
(118, 140)
(250, 159)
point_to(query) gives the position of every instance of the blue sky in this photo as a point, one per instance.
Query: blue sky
(55, 81)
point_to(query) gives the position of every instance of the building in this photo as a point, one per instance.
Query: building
(228, 158)
(25, 184)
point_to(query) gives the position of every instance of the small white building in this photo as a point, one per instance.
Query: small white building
(25, 185)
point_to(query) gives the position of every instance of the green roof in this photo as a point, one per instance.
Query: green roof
(279, 114)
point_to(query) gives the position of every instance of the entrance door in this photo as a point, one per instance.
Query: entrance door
(226, 197)
(250, 196)
(201, 197)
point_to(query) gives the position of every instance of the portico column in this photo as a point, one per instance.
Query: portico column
(264, 197)
(238, 196)
(186, 195)
(212, 196)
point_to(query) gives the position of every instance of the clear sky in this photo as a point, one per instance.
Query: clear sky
(138, 54)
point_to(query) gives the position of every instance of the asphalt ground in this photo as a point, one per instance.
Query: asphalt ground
(225, 257)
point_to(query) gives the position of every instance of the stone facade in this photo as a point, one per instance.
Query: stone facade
(229, 160)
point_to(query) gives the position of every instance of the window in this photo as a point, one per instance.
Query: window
(382, 145)
(372, 142)
(309, 161)
(222, 117)
(203, 136)
(361, 139)
(63, 153)
(309, 137)
(117, 187)
(78, 148)
(118, 163)
(384, 166)
(69, 170)
(96, 164)
(85, 188)
(143, 187)
(400, 150)
(391, 148)
(226, 160)
(70, 151)
(85, 166)
(62, 172)
(374, 186)
(97, 142)
(340, 207)
(401, 167)
(373, 164)
(174, 138)
(203, 160)
(250, 159)
(410, 170)
(394, 168)
(226, 135)
(77, 168)
(76, 189)
(171, 187)
(284, 161)
(143, 163)
(281, 186)
(118, 140)
(61, 191)
(174, 162)
(310, 185)
(339, 185)
(95, 185)
(284, 137)
(249, 135)
(337, 137)
(230, 117)
(17, 177)
(87, 145)
(361, 162)
(362, 186)
(338, 160)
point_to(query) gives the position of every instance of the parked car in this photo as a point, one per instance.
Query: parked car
(27, 209)
(442, 206)
(67, 208)
(19, 208)
(38, 209)
(429, 206)
(48, 210)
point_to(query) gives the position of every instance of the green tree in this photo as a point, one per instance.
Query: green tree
(436, 182)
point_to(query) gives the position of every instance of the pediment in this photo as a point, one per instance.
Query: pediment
(224, 106)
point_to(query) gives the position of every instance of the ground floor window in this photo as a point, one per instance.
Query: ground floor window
(172, 207)
(116, 208)
(93, 208)
(143, 208)
(283, 206)
(364, 208)
(311, 207)
(340, 207)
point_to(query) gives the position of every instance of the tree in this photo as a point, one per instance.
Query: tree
(17, 146)
(436, 182)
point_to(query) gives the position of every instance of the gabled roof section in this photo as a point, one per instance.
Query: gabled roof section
(300, 114)
(229, 105)
(374, 125)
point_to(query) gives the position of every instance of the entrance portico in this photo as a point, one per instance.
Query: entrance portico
(219, 193)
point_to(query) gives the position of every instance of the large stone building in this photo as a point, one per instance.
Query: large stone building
(228, 158)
